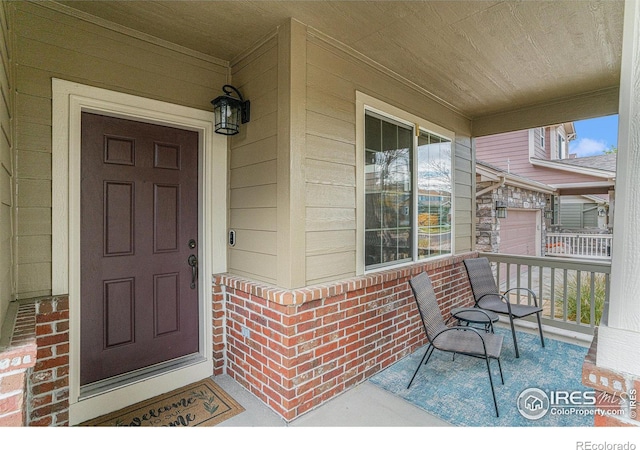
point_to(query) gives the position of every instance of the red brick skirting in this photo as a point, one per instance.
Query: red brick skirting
(34, 381)
(296, 349)
(616, 392)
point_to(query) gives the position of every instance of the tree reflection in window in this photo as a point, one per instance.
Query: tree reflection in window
(434, 195)
(388, 187)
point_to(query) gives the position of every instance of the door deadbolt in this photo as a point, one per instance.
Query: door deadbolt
(192, 243)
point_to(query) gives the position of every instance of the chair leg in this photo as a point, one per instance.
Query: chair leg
(429, 349)
(513, 333)
(500, 367)
(540, 329)
(493, 392)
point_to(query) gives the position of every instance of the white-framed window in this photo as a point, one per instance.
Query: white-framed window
(408, 188)
(562, 146)
(542, 137)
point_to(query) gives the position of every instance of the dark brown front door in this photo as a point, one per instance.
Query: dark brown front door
(139, 228)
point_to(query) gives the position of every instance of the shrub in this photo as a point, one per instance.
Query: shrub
(600, 289)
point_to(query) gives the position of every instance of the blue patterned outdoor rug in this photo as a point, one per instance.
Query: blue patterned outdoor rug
(544, 385)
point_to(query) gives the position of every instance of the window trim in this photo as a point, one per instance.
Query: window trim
(365, 103)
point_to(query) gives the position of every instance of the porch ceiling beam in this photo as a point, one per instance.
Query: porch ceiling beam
(593, 104)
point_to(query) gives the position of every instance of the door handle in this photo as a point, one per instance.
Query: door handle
(193, 262)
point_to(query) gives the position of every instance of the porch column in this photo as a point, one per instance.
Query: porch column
(619, 337)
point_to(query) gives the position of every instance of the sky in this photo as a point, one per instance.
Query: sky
(594, 136)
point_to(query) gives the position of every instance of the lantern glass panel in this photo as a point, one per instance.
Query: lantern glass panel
(227, 115)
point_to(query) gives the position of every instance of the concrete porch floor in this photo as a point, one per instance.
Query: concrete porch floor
(365, 405)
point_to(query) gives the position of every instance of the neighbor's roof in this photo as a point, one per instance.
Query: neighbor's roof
(493, 172)
(602, 162)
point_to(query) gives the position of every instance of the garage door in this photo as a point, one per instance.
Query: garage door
(520, 232)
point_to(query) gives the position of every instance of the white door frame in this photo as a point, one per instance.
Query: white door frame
(69, 101)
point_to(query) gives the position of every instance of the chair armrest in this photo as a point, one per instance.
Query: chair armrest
(535, 298)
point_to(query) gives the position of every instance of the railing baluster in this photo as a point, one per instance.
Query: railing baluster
(558, 285)
(553, 293)
(579, 245)
(540, 286)
(592, 300)
(578, 296)
(564, 298)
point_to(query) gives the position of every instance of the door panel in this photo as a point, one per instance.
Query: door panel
(138, 212)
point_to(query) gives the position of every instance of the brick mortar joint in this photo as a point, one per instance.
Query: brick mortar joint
(291, 297)
(590, 370)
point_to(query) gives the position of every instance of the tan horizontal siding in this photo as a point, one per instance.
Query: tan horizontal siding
(253, 168)
(264, 219)
(324, 219)
(6, 163)
(464, 192)
(331, 266)
(50, 44)
(333, 77)
(258, 266)
(334, 241)
(254, 153)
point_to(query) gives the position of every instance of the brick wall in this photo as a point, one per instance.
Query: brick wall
(293, 349)
(48, 393)
(15, 361)
(297, 349)
(616, 392)
(34, 369)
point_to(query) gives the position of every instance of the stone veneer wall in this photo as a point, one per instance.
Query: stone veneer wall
(488, 225)
(616, 392)
(297, 349)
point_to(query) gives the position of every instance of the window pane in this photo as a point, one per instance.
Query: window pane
(388, 215)
(434, 195)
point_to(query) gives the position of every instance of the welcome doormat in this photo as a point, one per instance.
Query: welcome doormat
(202, 404)
(458, 391)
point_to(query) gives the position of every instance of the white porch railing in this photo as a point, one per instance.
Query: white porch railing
(572, 292)
(572, 245)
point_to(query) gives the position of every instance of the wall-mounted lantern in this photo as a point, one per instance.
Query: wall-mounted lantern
(548, 214)
(229, 111)
(501, 210)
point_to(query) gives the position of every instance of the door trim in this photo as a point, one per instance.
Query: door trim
(69, 101)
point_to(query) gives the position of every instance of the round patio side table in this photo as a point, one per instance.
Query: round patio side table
(475, 316)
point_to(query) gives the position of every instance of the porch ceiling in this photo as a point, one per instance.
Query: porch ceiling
(481, 57)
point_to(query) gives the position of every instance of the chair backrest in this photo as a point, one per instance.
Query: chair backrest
(427, 305)
(480, 277)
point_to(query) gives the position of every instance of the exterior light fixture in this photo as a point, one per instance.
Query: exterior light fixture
(548, 214)
(501, 210)
(230, 111)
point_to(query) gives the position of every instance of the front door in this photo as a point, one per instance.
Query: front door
(139, 248)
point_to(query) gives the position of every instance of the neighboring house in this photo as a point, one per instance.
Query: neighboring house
(142, 251)
(523, 231)
(563, 193)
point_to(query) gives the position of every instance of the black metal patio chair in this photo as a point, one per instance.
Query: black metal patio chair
(461, 340)
(488, 297)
